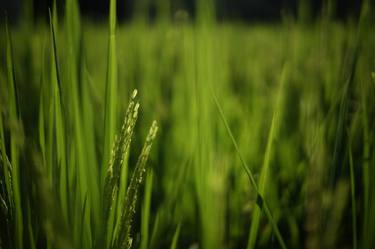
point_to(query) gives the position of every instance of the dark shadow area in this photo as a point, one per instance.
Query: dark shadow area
(232, 10)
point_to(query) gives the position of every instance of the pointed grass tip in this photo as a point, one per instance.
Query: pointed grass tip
(134, 94)
(153, 130)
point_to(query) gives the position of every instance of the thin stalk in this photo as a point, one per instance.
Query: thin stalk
(14, 142)
(264, 175)
(261, 202)
(110, 90)
(352, 187)
(146, 211)
(175, 237)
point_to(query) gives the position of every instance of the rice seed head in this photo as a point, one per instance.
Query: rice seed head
(3, 204)
(134, 94)
(124, 239)
(7, 167)
(120, 149)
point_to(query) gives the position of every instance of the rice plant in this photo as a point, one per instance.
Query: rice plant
(264, 135)
(62, 194)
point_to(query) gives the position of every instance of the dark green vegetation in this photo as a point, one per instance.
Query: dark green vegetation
(266, 133)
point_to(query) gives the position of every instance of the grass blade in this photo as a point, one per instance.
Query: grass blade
(261, 202)
(15, 140)
(366, 161)
(56, 229)
(6, 169)
(264, 175)
(59, 119)
(110, 89)
(146, 211)
(352, 187)
(175, 237)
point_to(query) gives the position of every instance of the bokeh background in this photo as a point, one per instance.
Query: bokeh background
(238, 10)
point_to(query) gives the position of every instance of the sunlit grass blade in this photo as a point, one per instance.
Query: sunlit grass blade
(110, 89)
(73, 25)
(175, 237)
(87, 174)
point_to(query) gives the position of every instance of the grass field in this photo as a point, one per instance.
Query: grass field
(264, 133)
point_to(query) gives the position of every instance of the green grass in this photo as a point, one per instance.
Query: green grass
(265, 131)
(353, 199)
(265, 171)
(15, 140)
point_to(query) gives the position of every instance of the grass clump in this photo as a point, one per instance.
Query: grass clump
(287, 162)
(54, 183)
(118, 227)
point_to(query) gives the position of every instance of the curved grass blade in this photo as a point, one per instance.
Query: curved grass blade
(59, 119)
(264, 175)
(261, 202)
(352, 187)
(175, 237)
(14, 115)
